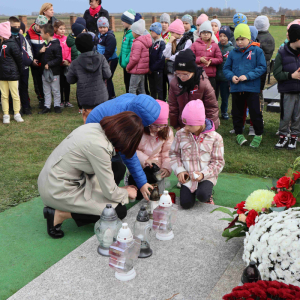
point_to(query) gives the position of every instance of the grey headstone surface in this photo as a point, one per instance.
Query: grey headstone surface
(271, 94)
(192, 266)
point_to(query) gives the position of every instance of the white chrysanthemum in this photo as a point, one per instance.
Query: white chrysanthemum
(274, 243)
(259, 199)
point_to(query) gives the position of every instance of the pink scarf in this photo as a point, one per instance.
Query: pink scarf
(94, 11)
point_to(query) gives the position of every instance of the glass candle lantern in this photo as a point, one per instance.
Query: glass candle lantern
(107, 228)
(164, 217)
(124, 253)
(142, 229)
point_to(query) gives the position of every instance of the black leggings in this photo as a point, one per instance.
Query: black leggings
(82, 219)
(119, 170)
(203, 194)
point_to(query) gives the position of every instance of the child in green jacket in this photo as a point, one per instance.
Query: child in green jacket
(127, 20)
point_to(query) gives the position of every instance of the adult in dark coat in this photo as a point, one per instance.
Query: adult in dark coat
(89, 71)
(48, 12)
(92, 15)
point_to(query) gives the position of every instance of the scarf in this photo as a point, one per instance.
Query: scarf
(94, 11)
(187, 86)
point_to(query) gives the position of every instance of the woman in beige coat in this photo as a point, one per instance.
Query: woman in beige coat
(77, 180)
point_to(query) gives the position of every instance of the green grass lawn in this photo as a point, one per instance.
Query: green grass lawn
(25, 147)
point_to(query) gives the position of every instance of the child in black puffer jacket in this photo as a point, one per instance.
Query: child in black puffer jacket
(11, 67)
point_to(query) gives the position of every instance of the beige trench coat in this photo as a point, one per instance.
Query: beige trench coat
(77, 176)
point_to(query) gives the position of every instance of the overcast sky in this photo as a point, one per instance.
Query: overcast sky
(26, 7)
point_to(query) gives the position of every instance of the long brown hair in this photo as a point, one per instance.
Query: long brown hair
(162, 134)
(124, 131)
(57, 24)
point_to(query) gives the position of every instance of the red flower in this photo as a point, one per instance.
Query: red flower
(240, 208)
(250, 220)
(284, 199)
(285, 182)
(296, 175)
(262, 284)
(272, 291)
(238, 288)
(285, 294)
(243, 294)
(259, 293)
(274, 284)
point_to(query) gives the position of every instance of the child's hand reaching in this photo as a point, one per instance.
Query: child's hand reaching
(181, 176)
(200, 176)
(149, 162)
(242, 78)
(66, 63)
(164, 173)
(43, 49)
(235, 79)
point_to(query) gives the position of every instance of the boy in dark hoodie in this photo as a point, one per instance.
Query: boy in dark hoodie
(89, 71)
(51, 59)
(34, 37)
(287, 73)
(157, 62)
(27, 58)
(244, 67)
(107, 46)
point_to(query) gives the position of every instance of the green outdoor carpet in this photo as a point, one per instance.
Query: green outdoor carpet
(27, 250)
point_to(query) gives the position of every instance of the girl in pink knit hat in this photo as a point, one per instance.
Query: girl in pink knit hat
(178, 42)
(155, 146)
(197, 155)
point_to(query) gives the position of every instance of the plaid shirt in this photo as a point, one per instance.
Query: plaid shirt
(205, 155)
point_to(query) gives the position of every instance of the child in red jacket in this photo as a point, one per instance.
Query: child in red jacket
(59, 34)
(139, 57)
(208, 53)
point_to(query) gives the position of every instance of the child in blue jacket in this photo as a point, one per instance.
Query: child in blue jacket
(244, 67)
(107, 46)
(157, 62)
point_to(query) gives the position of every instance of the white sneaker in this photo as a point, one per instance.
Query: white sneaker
(251, 131)
(232, 131)
(18, 118)
(6, 119)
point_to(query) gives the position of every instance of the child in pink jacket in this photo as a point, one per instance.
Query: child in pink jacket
(197, 155)
(139, 57)
(207, 52)
(59, 34)
(155, 146)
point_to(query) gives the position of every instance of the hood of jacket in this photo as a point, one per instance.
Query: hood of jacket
(89, 61)
(209, 126)
(145, 39)
(60, 38)
(71, 40)
(33, 33)
(255, 44)
(146, 108)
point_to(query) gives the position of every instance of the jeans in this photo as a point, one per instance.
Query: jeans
(203, 194)
(137, 84)
(223, 90)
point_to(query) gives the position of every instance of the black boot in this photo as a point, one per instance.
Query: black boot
(45, 111)
(27, 111)
(54, 231)
(57, 109)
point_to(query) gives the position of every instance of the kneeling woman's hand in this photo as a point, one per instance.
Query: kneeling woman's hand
(200, 176)
(181, 177)
(164, 173)
(132, 191)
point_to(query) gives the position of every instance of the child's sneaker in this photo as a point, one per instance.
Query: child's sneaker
(292, 143)
(57, 109)
(251, 131)
(283, 140)
(62, 105)
(225, 116)
(80, 111)
(240, 139)
(256, 141)
(68, 104)
(6, 119)
(18, 118)
(44, 111)
(210, 201)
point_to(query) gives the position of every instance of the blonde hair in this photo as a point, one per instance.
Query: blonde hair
(46, 6)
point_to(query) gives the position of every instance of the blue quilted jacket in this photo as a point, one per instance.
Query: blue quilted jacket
(145, 107)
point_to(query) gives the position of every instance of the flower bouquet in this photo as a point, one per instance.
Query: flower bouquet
(283, 195)
(274, 244)
(264, 290)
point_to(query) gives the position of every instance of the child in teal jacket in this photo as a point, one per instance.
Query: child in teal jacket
(127, 20)
(244, 67)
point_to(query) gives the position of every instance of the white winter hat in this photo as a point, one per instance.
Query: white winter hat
(262, 23)
(139, 27)
(216, 21)
(165, 18)
(206, 26)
